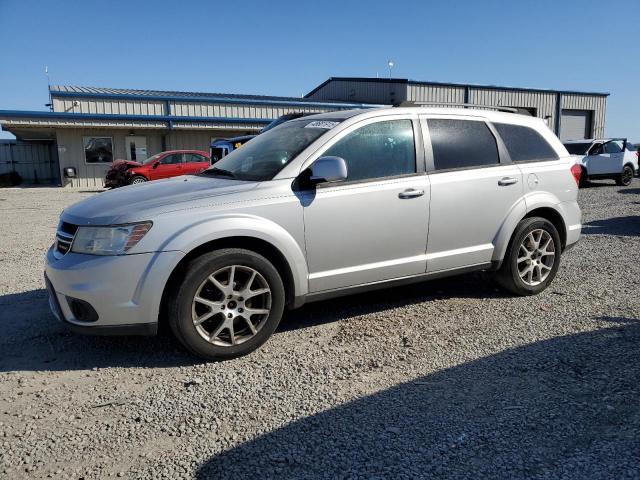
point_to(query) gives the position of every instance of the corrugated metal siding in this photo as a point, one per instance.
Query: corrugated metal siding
(109, 106)
(32, 161)
(365, 92)
(596, 103)
(543, 102)
(267, 112)
(435, 93)
(82, 123)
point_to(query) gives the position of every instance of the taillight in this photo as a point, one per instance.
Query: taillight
(576, 171)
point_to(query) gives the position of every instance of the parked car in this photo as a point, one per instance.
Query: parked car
(613, 158)
(162, 165)
(318, 207)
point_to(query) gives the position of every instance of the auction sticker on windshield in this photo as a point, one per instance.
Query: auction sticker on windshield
(321, 124)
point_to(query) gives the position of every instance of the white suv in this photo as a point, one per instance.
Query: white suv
(315, 208)
(613, 158)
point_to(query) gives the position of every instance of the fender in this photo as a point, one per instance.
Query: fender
(531, 201)
(222, 226)
(501, 240)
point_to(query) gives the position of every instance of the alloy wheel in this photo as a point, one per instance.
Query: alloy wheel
(231, 305)
(627, 176)
(536, 257)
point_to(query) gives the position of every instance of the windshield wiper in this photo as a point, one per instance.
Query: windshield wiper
(219, 171)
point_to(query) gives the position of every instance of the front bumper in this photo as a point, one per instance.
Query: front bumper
(125, 291)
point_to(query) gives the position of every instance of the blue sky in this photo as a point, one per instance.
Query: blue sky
(288, 47)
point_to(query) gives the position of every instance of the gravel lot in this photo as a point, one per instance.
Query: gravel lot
(450, 378)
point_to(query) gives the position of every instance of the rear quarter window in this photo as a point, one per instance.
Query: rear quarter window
(524, 144)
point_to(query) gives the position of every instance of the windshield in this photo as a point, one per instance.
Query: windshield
(152, 159)
(577, 148)
(264, 156)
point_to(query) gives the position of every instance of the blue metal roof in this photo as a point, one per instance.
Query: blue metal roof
(165, 95)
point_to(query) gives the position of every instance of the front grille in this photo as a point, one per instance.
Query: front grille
(64, 237)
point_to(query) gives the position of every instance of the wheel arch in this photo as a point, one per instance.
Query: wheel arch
(258, 245)
(519, 213)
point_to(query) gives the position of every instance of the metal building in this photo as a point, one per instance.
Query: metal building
(90, 127)
(570, 114)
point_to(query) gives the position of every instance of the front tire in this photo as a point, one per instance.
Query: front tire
(626, 177)
(532, 258)
(228, 304)
(137, 179)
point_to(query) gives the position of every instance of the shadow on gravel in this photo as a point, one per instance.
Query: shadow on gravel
(561, 408)
(622, 226)
(630, 190)
(33, 340)
(472, 285)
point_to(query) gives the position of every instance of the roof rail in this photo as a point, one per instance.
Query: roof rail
(411, 103)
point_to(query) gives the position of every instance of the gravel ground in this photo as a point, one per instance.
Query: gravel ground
(450, 378)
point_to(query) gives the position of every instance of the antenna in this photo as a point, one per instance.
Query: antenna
(46, 72)
(390, 64)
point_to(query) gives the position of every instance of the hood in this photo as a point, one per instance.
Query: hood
(141, 202)
(124, 164)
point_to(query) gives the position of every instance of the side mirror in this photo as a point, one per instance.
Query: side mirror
(155, 164)
(328, 170)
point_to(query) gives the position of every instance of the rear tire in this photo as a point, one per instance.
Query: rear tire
(532, 258)
(137, 179)
(626, 177)
(240, 296)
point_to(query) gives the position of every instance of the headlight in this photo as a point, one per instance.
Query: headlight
(116, 240)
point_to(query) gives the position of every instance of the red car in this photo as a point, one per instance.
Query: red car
(162, 165)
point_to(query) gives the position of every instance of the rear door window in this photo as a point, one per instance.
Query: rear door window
(613, 147)
(194, 158)
(172, 159)
(524, 144)
(462, 144)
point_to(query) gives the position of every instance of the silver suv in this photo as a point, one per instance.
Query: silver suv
(318, 207)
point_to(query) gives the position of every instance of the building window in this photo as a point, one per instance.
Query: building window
(98, 149)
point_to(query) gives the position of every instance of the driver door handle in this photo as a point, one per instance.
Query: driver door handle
(507, 181)
(411, 193)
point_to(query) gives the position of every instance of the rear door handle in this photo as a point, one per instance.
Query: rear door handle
(411, 193)
(507, 181)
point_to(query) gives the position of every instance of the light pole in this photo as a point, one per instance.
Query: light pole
(390, 64)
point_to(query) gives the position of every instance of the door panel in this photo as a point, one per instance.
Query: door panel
(467, 210)
(472, 192)
(602, 164)
(366, 232)
(170, 166)
(194, 163)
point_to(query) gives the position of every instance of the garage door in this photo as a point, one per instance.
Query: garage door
(575, 124)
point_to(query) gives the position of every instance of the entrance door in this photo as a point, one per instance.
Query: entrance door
(136, 148)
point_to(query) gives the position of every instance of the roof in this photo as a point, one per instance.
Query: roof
(407, 81)
(170, 95)
(586, 140)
